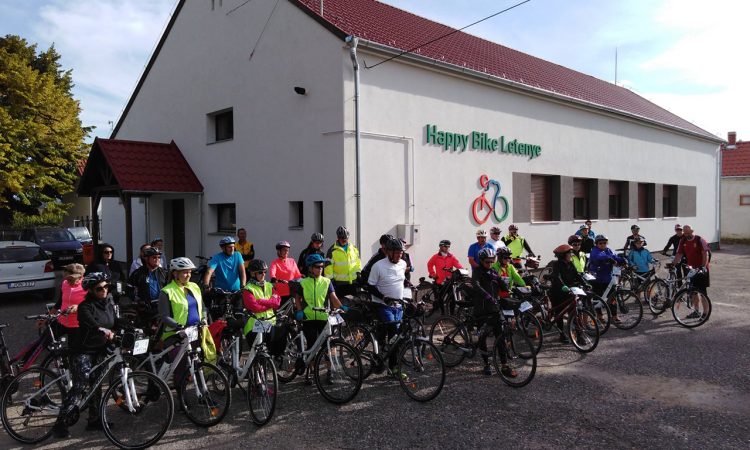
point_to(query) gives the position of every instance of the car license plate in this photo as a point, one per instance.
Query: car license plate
(65, 258)
(21, 284)
(141, 347)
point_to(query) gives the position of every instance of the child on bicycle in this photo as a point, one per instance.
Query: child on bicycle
(601, 263)
(261, 298)
(639, 256)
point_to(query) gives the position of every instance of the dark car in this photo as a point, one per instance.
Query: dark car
(84, 237)
(60, 243)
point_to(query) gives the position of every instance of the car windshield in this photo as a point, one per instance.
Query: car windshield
(80, 233)
(21, 254)
(58, 235)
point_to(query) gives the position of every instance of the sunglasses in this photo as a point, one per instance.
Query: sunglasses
(575, 243)
(107, 252)
(316, 267)
(260, 271)
(446, 246)
(101, 288)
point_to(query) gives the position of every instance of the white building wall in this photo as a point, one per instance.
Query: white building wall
(735, 219)
(282, 148)
(399, 99)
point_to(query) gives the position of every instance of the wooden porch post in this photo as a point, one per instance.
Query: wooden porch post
(95, 232)
(128, 226)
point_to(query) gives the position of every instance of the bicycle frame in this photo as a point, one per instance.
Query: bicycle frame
(167, 370)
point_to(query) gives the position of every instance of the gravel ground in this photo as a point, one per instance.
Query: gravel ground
(659, 385)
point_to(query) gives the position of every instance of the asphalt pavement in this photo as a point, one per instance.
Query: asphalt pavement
(656, 386)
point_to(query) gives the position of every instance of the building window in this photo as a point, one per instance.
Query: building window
(617, 199)
(541, 198)
(296, 215)
(744, 200)
(669, 200)
(221, 126)
(582, 198)
(319, 217)
(646, 200)
(226, 217)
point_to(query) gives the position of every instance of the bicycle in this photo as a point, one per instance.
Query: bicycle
(420, 368)
(136, 409)
(203, 389)
(690, 307)
(336, 366)
(257, 367)
(444, 297)
(624, 305)
(582, 326)
(661, 289)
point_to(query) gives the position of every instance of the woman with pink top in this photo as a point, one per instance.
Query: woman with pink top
(283, 270)
(71, 294)
(262, 299)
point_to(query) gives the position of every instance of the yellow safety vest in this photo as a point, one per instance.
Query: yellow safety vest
(178, 301)
(515, 246)
(579, 261)
(344, 264)
(315, 293)
(264, 293)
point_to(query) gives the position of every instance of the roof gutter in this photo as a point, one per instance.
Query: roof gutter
(531, 90)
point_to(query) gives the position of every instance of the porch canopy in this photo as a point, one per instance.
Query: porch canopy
(127, 169)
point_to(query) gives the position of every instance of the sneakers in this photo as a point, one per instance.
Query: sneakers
(487, 370)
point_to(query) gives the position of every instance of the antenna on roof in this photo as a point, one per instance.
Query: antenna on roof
(615, 66)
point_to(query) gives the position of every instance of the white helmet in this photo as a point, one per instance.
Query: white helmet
(181, 263)
(481, 233)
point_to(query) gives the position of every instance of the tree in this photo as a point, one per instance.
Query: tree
(41, 136)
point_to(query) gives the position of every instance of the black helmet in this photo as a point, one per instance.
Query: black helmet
(93, 278)
(600, 237)
(385, 238)
(503, 252)
(445, 242)
(257, 265)
(317, 237)
(634, 227)
(574, 238)
(342, 232)
(394, 244)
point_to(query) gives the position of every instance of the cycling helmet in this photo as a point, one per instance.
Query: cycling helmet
(313, 259)
(486, 253)
(583, 227)
(503, 252)
(394, 244)
(317, 237)
(481, 233)
(600, 237)
(634, 227)
(385, 238)
(226, 240)
(181, 263)
(445, 242)
(638, 239)
(151, 251)
(282, 244)
(93, 278)
(677, 226)
(562, 249)
(495, 230)
(575, 238)
(342, 232)
(512, 227)
(257, 265)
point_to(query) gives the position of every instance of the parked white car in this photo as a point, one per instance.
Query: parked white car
(25, 267)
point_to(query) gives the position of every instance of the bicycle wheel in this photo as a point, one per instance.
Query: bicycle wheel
(629, 310)
(286, 363)
(533, 329)
(30, 405)
(338, 372)
(262, 387)
(362, 340)
(205, 396)
(545, 277)
(657, 296)
(451, 338)
(421, 369)
(602, 313)
(57, 363)
(583, 331)
(514, 358)
(137, 417)
(691, 308)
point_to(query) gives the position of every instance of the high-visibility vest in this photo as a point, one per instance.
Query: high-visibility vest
(264, 293)
(345, 264)
(515, 246)
(579, 261)
(315, 293)
(178, 301)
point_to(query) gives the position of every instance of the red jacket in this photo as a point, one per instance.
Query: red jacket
(437, 264)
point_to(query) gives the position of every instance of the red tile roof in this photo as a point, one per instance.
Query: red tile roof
(736, 163)
(401, 30)
(140, 167)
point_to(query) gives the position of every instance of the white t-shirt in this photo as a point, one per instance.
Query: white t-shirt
(498, 244)
(388, 277)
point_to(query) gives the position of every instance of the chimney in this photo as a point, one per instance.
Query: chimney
(732, 137)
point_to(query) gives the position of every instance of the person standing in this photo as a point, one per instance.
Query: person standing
(148, 281)
(314, 247)
(578, 256)
(244, 247)
(674, 241)
(439, 265)
(640, 257)
(228, 266)
(697, 254)
(138, 261)
(345, 263)
(601, 263)
(516, 243)
(587, 240)
(72, 294)
(629, 245)
(158, 243)
(262, 299)
(495, 240)
(475, 248)
(283, 270)
(585, 230)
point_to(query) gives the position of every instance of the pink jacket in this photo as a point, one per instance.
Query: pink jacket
(437, 264)
(72, 294)
(258, 305)
(284, 269)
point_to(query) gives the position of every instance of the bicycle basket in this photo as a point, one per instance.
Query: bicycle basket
(129, 339)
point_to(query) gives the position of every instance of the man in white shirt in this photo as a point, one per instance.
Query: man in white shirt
(386, 282)
(495, 240)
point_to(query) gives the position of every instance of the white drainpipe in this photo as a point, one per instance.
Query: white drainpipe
(352, 42)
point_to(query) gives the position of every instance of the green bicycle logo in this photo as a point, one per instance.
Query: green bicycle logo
(480, 204)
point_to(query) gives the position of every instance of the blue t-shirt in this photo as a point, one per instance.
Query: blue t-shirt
(153, 286)
(193, 316)
(226, 269)
(474, 250)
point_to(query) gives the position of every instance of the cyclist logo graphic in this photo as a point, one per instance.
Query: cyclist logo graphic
(498, 204)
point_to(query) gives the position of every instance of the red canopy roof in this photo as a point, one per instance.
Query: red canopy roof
(736, 163)
(136, 166)
(401, 30)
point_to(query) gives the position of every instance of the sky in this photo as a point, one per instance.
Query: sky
(687, 56)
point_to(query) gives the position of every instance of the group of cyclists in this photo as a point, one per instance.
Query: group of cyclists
(319, 280)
